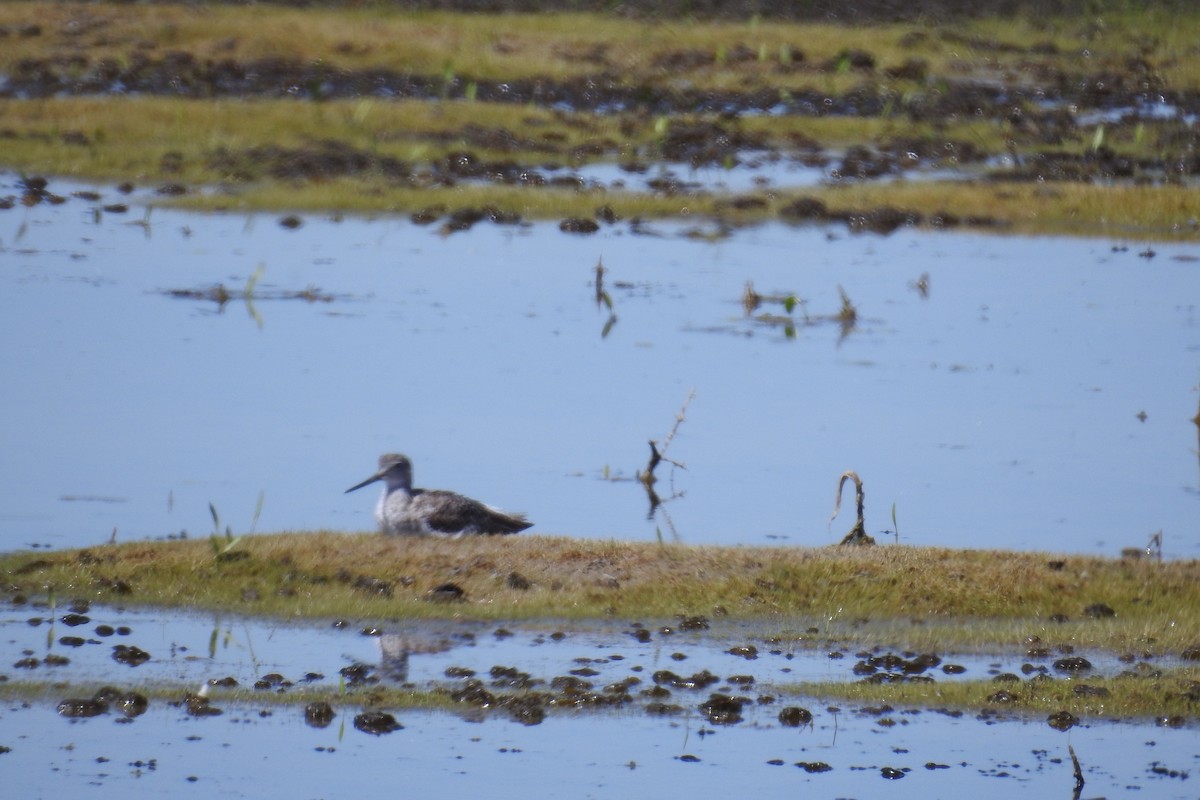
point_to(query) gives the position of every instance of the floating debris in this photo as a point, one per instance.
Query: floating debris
(220, 295)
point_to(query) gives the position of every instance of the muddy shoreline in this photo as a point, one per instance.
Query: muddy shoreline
(857, 12)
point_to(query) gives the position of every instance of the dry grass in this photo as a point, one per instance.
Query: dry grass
(481, 46)
(509, 46)
(976, 597)
(128, 137)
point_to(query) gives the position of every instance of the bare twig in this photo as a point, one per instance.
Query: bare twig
(678, 421)
(657, 456)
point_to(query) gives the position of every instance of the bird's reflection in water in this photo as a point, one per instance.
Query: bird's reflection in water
(395, 649)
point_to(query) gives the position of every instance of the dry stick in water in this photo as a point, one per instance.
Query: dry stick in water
(858, 534)
(1078, 772)
(657, 456)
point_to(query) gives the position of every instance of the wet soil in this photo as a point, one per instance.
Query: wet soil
(185, 75)
(810, 10)
(1037, 95)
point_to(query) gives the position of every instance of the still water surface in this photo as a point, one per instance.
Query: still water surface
(263, 749)
(1000, 410)
(245, 754)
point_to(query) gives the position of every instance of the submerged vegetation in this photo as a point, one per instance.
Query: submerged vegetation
(1061, 124)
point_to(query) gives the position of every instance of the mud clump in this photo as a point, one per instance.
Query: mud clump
(892, 668)
(358, 675)
(323, 160)
(78, 708)
(578, 225)
(1062, 720)
(273, 680)
(699, 680)
(813, 767)
(1073, 664)
(703, 143)
(318, 715)
(511, 678)
(198, 705)
(794, 717)
(884, 219)
(1003, 697)
(723, 709)
(804, 209)
(376, 723)
(526, 710)
(130, 655)
(473, 692)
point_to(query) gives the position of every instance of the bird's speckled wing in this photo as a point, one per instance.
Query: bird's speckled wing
(450, 513)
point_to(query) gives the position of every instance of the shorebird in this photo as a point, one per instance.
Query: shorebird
(405, 511)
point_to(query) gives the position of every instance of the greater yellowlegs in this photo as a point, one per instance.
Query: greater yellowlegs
(405, 511)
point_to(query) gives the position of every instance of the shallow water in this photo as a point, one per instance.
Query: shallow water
(999, 411)
(242, 753)
(257, 749)
(191, 649)
(245, 754)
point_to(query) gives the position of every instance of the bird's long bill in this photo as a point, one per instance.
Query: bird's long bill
(367, 482)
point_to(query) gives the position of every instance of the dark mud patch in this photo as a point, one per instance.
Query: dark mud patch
(129, 704)
(1102, 165)
(182, 74)
(330, 159)
(881, 220)
(376, 723)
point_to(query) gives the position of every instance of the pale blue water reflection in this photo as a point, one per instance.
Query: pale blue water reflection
(1000, 411)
